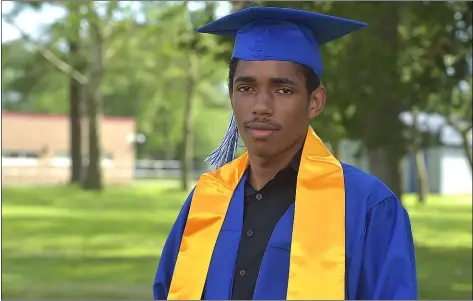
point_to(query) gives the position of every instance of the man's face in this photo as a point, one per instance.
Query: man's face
(272, 106)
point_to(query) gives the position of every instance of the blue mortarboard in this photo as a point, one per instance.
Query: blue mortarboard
(273, 33)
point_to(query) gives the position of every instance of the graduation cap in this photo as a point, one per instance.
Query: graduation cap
(274, 33)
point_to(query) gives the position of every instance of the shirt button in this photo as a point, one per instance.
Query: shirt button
(242, 272)
(259, 196)
(249, 233)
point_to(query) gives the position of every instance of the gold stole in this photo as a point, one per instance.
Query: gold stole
(317, 261)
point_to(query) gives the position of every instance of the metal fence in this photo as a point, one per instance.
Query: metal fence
(163, 169)
(33, 172)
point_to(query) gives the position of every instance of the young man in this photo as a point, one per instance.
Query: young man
(286, 220)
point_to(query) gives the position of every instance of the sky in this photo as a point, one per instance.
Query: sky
(31, 21)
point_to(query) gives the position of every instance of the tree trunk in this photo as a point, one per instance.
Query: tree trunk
(187, 153)
(467, 148)
(377, 161)
(421, 176)
(75, 117)
(385, 166)
(93, 179)
(422, 181)
(419, 158)
(395, 172)
(75, 132)
(385, 127)
(77, 63)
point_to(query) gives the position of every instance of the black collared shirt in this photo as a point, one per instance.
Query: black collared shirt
(263, 210)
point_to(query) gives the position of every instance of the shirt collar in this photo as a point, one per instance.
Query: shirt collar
(294, 164)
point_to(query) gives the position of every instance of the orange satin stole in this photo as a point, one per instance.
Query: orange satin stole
(317, 261)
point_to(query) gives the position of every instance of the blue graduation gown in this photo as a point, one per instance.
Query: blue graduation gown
(380, 260)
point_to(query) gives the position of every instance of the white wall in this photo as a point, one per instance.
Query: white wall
(455, 176)
(447, 169)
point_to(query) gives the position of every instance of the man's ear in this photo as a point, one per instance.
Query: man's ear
(317, 102)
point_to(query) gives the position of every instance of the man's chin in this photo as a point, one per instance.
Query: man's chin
(261, 149)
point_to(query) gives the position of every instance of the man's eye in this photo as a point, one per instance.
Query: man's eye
(244, 89)
(284, 91)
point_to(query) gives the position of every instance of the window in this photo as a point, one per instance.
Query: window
(19, 158)
(19, 154)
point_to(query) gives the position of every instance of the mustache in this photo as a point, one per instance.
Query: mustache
(262, 124)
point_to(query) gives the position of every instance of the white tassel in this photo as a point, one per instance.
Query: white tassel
(226, 152)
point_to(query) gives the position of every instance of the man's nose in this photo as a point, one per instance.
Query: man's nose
(263, 104)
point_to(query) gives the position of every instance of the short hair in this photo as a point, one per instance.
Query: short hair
(312, 81)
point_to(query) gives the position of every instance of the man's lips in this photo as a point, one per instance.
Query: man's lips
(261, 130)
(261, 134)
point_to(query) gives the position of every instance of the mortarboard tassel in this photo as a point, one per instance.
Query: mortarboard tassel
(226, 151)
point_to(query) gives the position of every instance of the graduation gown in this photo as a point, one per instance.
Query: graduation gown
(379, 248)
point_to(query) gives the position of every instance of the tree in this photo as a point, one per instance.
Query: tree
(195, 69)
(100, 33)
(27, 80)
(76, 60)
(70, 28)
(436, 64)
(454, 98)
(158, 57)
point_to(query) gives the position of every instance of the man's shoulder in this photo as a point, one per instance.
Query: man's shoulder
(360, 186)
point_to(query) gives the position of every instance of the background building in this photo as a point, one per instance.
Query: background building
(448, 169)
(35, 149)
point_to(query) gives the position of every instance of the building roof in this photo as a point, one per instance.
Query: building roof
(436, 123)
(50, 116)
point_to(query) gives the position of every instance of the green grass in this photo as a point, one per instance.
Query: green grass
(443, 237)
(64, 243)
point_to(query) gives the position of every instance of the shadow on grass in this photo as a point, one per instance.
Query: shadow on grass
(442, 210)
(87, 278)
(439, 225)
(112, 199)
(444, 273)
(86, 226)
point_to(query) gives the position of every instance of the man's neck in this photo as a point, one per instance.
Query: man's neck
(264, 169)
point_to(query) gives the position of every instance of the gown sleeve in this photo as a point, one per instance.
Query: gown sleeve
(167, 262)
(388, 270)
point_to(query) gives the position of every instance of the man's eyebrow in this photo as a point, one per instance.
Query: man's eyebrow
(282, 80)
(274, 80)
(245, 79)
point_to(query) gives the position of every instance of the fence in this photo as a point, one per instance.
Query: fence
(36, 172)
(163, 169)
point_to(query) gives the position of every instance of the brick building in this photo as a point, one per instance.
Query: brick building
(35, 149)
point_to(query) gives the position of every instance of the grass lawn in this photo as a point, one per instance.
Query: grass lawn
(64, 243)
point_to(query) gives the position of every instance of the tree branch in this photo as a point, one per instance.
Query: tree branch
(108, 31)
(111, 51)
(50, 56)
(468, 128)
(104, 30)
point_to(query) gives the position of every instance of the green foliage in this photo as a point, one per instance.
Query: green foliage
(30, 83)
(145, 77)
(410, 55)
(437, 56)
